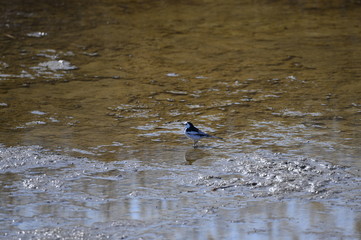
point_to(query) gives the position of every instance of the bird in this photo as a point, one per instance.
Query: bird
(195, 134)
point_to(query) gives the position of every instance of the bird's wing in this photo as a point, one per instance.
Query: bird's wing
(198, 133)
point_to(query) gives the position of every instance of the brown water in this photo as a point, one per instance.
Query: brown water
(113, 80)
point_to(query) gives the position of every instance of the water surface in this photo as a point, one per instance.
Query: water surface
(113, 80)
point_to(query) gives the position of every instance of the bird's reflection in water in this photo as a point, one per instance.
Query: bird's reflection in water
(194, 154)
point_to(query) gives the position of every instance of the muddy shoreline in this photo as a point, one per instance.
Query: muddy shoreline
(46, 196)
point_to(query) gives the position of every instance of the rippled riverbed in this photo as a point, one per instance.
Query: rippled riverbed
(111, 81)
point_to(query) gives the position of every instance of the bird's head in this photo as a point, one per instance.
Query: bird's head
(188, 124)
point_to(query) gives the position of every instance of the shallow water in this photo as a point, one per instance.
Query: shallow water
(113, 80)
(46, 196)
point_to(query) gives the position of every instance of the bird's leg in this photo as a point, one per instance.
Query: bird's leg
(195, 143)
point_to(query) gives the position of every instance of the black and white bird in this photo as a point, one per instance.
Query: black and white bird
(195, 134)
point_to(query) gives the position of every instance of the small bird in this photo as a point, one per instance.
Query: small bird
(195, 134)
